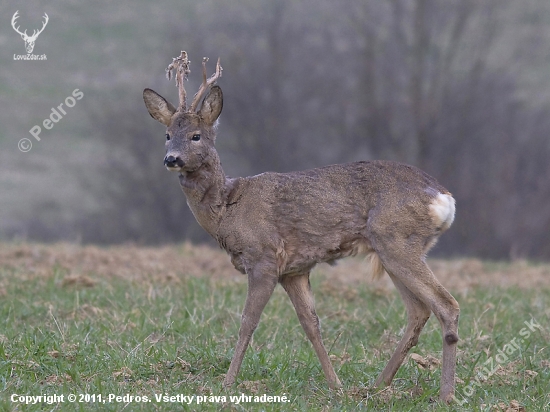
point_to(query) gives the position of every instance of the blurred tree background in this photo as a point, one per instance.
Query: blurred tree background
(460, 88)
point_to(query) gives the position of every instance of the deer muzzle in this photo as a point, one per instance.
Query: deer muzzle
(172, 162)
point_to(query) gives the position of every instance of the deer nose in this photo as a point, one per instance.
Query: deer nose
(171, 161)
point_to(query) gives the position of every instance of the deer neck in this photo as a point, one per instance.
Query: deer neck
(205, 192)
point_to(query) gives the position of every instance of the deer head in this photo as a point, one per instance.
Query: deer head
(29, 40)
(190, 132)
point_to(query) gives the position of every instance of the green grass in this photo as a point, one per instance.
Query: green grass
(176, 336)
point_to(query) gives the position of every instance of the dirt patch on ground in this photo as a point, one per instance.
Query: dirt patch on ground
(174, 262)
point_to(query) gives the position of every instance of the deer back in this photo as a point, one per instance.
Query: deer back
(298, 219)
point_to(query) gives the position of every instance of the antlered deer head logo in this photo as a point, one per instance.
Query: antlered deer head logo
(29, 40)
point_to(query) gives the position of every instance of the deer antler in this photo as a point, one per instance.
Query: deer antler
(180, 65)
(35, 32)
(13, 19)
(206, 83)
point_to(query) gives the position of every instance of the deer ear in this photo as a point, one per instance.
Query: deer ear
(212, 105)
(159, 108)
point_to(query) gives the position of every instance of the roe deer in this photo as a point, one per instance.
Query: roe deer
(277, 226)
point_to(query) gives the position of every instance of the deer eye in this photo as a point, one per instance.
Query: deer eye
(196, 137)
(167, 136)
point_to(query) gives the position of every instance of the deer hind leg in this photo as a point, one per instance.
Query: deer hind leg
(418, 314)
(299, 291)
(260, 289)
(405, 262)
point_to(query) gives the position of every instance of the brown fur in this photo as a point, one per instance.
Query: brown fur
(277, 226)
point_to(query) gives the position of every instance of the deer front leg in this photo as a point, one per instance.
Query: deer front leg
(299, 291)
(260, 289)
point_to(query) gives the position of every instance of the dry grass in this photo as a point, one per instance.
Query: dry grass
(82, 263)
(126, 261)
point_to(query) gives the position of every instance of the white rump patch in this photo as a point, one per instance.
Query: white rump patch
(442, 210)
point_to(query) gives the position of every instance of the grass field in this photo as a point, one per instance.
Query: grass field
(130, 321)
